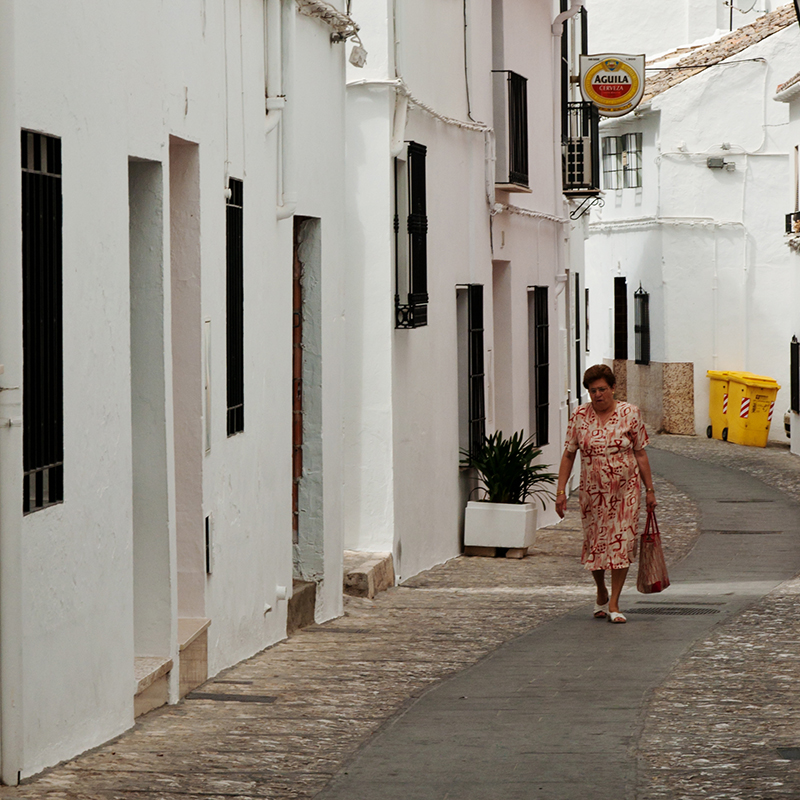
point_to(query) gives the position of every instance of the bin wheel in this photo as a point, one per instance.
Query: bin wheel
(724, 434)
(709, 432)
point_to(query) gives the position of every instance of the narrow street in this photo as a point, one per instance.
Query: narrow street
(487, 678)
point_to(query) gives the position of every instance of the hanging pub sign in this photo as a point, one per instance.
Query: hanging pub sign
(613, 82)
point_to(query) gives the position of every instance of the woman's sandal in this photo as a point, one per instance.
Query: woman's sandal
(617, 617)
(601, 611)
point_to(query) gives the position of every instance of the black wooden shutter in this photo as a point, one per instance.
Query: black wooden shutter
(418, 226)
(517, 129)
(411, 277)
(620, 318)
(795, 375)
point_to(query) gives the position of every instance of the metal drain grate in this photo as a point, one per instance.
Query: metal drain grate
(747, 533)
(682, 603)
(331, 629)
(790, 753)
(231, 698)
(674, 611)
(745, 501)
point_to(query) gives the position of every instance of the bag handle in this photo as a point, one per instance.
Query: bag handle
(651, 526)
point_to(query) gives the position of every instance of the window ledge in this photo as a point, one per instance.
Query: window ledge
(513, 187)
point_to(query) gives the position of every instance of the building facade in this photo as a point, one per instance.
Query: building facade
(654, 27)
(466, 327)
(254, 306)
(686, 266)
(178, 212)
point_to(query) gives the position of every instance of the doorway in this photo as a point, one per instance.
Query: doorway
(307, 476)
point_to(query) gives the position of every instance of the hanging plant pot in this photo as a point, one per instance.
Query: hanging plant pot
(511, 525)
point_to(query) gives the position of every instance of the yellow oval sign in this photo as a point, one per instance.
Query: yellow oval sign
(614, 83)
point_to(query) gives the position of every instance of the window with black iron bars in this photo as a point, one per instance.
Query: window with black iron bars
(234, 224)
(42, 322)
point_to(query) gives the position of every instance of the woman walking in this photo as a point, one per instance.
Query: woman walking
(611, 437)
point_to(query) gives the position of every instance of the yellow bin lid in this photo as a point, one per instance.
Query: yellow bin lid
(750, 379)
(719, 374)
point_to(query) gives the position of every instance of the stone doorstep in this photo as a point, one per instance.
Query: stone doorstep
(148, 669)
(152, 683)
(366, 574)
(302, 606)
(193, 643)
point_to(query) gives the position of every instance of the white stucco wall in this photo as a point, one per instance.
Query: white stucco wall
(655, 26)
(707, 244)
(121, 81)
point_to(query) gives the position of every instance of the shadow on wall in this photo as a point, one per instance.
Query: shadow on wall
(663, 391)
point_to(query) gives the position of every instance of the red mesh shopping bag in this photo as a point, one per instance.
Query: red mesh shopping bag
(652, 576)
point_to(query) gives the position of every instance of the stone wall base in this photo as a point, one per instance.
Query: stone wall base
(663, 391)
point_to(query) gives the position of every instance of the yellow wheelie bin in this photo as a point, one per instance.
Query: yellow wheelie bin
(718, 404)
(751, 402)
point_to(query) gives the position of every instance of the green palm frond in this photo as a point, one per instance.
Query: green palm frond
(506, 469)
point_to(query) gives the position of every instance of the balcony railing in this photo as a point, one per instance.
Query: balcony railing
(793, 222)
(580, 149)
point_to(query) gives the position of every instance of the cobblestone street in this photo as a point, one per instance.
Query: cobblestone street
(287, 720)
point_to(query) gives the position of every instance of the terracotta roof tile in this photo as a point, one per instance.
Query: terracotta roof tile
(787, 84)
(701, 58)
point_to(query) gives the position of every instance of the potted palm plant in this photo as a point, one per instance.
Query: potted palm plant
(510, 482)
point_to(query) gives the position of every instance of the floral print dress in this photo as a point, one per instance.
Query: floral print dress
(610, 488)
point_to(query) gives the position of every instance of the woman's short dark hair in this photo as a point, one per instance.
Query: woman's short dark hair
(598, 372)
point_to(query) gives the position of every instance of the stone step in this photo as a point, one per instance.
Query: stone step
(366, 574)
(302, 605)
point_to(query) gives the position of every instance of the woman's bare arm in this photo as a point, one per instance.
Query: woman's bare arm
(647, 476)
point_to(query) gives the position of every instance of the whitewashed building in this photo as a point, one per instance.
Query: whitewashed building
(168, 230)
(458, 256)
(687, 268)
(657, 26)
(252, 306)
(788, 93)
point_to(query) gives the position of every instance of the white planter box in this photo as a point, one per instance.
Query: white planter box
(500, 524)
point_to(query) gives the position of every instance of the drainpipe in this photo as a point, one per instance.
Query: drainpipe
(287, 203)
(400, 118)
(559, 21)
(272, 64)
(558, 30)
(11, 733)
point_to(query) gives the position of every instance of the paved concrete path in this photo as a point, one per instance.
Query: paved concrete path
(558, 712)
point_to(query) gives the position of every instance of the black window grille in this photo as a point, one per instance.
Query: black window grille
(632, 160)
(620, 318)
(795, 375)
(411, 239)
(42, 322)
(641, 327)
(578, 347)
(540, 365)
(477, 377)
(580, 144)
(234, 225)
